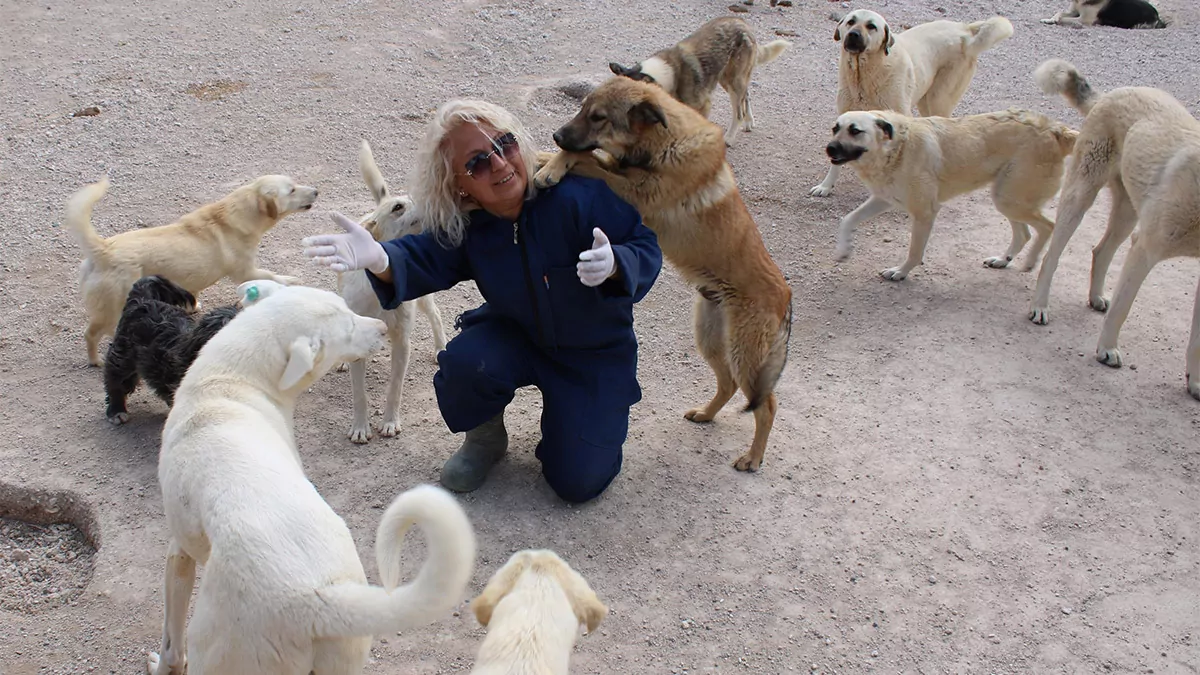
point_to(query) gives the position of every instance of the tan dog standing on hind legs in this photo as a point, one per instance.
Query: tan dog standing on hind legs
(668, 161)
(722, 51)
(928, 67)
(919, 163)
(394, 217)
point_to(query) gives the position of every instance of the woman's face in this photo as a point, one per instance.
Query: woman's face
(487, 165)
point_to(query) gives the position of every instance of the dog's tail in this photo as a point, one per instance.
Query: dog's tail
(770, 51)
(79, 217)
(372, 176)
(987, 34)
(772, 368)
(1056, 76)
(355, 610)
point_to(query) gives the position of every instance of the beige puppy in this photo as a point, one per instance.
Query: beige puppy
(283, 591)
(215, 241)
(919, 163)
(928, 66)
(393, 217)
(1098, 161)
(533, 608)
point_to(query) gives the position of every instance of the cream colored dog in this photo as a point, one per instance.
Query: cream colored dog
(919, 163)
(928, 66)
(394, 217)
(215, 241)
(283, 591)
(533, 607)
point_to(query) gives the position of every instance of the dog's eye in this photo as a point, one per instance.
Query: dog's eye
(850, 22)
(398, 208)
(837, 128)
(854, 131)
(596, 118)
(870, 26)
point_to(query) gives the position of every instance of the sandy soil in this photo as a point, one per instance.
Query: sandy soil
(948, 488)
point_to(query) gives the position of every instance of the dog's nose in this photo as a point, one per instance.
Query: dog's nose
(832, 149)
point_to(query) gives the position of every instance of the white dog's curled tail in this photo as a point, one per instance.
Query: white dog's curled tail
(1060, 77)
(353, 610)
(79, 216)
(770, 51)
(987, 34)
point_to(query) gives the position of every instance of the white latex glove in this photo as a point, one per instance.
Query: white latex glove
(597, 264)
(354, 250)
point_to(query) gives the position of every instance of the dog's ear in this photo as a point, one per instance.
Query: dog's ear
(886, 127)
(302, 357)
(267, 205)
(371, 173)
(617, 68)
(498, 586)
(253, 291)
(888, 40)
(837, 33)
(587, 607)
(648, 113)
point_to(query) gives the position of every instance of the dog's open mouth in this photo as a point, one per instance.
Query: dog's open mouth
(840, 154)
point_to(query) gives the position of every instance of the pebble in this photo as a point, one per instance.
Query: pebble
(1066, 610)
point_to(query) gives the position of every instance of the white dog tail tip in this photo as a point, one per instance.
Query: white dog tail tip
(79, 216)
(1057, 76)
(770, 51)
(988, 34)
(353, 610)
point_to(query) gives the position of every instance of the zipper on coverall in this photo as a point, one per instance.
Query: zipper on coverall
(529, 283)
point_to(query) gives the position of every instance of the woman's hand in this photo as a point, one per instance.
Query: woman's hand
(597, 264)
(354, 250)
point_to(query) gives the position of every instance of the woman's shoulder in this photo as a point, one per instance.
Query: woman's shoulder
(581, 190)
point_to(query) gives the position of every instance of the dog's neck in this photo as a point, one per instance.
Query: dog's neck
(532, 631)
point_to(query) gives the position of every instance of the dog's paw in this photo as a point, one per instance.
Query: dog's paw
(820, 191)
(549, 175)
(156, 666)
(359, 434)
(390, 428)
(997, 262)
(152, 662)
(699, 415)
(1110, 357)
(1039, 315)
(544, 157)
(842, 252)
(1048, 22)
(1098, 303)
(747, 463)
(894, 274)
(118, 419)
(342, 367)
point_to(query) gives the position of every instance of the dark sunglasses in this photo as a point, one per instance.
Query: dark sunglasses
(481, 164)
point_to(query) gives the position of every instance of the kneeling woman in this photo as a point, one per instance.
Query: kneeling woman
(559, 271)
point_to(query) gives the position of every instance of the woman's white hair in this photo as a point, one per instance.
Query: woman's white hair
(434, 192)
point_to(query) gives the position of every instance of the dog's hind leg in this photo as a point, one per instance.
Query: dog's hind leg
(360, 429)
(1121, 221)
(1088, 175)
(750, 354)
(343, 656)
(120, 379)
(180, 578)
(712, 342)
(949, 86)
(1020, 237)
(1138, 264)
(1193, 351)
(401, 348)
(429, 308)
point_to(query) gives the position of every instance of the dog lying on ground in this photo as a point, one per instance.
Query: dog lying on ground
(722, 51)
(1098, 160)
(533, 607)
(394, 217)
(217, 240)
(668, 161)
(919, 163)
(1114, 13)
(928, 66)
(1146, 146)
(284, 591)
(156, 340)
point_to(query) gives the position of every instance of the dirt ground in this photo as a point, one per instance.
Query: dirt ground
(948, 489)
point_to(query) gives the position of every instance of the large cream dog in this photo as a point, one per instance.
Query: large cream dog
(919, 163)
(393, 217)
(928, 66)
(668, 162)
(283, 591)
(215, 241)
(1098, 161)
(533, 608)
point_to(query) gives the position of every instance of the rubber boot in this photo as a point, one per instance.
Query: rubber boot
(484, 445)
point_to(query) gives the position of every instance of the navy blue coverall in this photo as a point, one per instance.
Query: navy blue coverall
(539, 325)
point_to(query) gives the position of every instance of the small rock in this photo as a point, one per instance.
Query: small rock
(90, 111)
(738, 9)
(782, 3)
(1066, 610)
(932, 579)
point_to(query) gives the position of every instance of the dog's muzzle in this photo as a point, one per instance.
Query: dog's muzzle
(854, 42)
(840, 153)
(564, 139)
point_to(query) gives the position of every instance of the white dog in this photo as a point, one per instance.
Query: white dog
(284, 592)
(393, 217)
(533, 607)
(928, 66)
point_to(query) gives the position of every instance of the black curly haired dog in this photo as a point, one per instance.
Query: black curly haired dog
(156, 340)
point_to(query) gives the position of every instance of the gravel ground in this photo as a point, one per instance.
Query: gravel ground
(948, 488)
